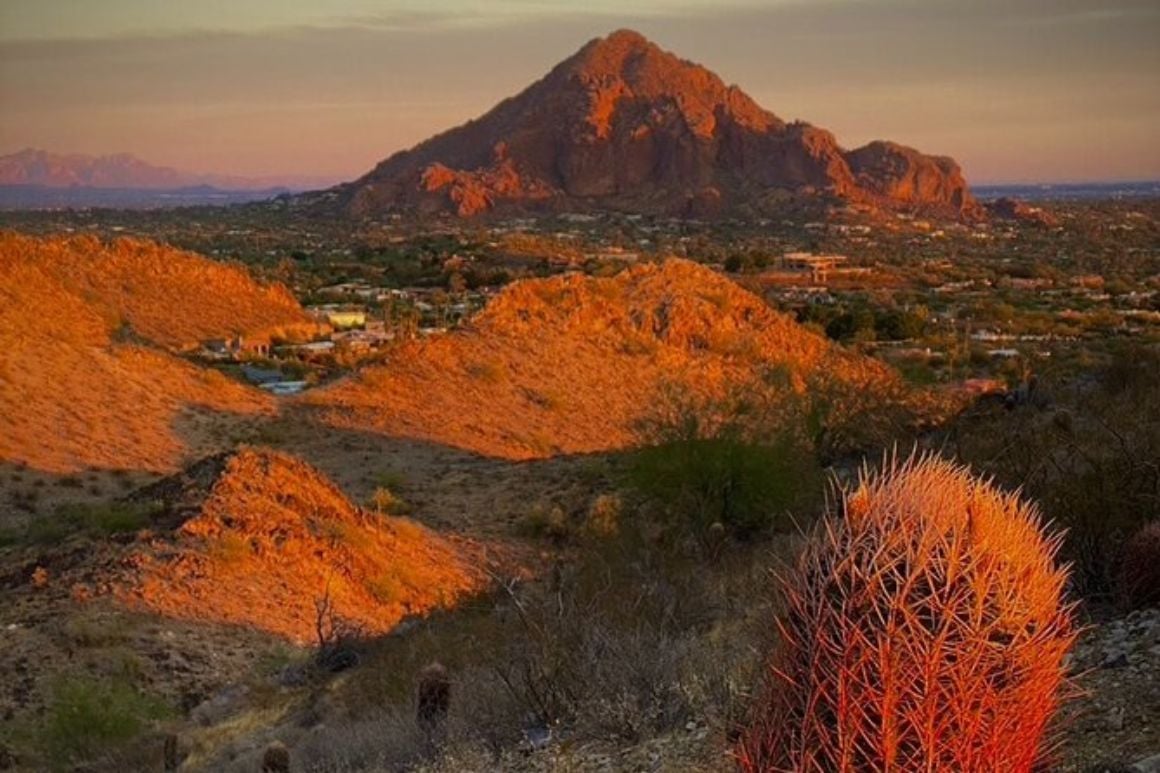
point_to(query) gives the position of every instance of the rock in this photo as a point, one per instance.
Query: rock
(1148, 765)
(1012, 209)
(1115, 660)
(226, 702)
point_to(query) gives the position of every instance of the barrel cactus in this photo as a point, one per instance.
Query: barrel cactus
(1139, 576)
(924, 629)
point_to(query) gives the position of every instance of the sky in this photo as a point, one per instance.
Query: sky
(1015, 90)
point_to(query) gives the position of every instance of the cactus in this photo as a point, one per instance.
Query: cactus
(924, 630)
(433, 699)
(1139, 575)
(276, 758)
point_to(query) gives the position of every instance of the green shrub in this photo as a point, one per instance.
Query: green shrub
(92, 520)
(732, 462)
(87, 718)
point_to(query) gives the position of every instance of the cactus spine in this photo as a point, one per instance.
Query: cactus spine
(924, 629)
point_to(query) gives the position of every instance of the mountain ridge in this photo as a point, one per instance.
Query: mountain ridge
(623, 124)
(42, 168)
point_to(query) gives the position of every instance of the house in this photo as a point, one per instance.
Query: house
(234, 348)
(819, 266)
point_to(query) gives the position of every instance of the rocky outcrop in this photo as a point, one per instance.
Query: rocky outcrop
(623, 124)
(1006, 208)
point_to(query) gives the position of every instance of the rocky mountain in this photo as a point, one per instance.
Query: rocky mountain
(625, 125)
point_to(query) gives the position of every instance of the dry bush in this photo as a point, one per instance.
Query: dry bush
(603, 518)
(629, 643)
(925, 630)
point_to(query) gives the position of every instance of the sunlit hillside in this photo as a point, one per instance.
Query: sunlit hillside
(86, 381)
(574, 364)
(260, 538)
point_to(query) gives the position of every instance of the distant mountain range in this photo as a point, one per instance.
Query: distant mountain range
(38, 178)
(625, 125)
(1069, 191)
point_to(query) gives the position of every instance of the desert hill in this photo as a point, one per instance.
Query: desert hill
(623, 124)
(572, 364)
(256, 537)
(87, 380)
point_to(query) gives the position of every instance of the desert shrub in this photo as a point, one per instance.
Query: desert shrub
(741, 463)
(1139, 576)
(276, 758)
(924, 629)
(87, 718)
(91, 520)
(1086, 447)
(546, 519)
(391, 479)
(338, 641)
(633, 641)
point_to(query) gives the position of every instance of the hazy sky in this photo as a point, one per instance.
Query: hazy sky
(1016, 90)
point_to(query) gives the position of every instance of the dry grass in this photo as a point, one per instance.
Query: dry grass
(925, 630)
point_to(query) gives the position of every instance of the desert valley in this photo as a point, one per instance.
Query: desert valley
(625, 427)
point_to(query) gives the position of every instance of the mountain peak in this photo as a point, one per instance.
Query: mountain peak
(623, 124)
(623, 40)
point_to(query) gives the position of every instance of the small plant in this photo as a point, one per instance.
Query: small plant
(229, 548)
(603, 518)
(486, 371)
(391, 479)
(547, 520)
(385, 502)
(924, 630)
(387, 587)
(336, 637)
